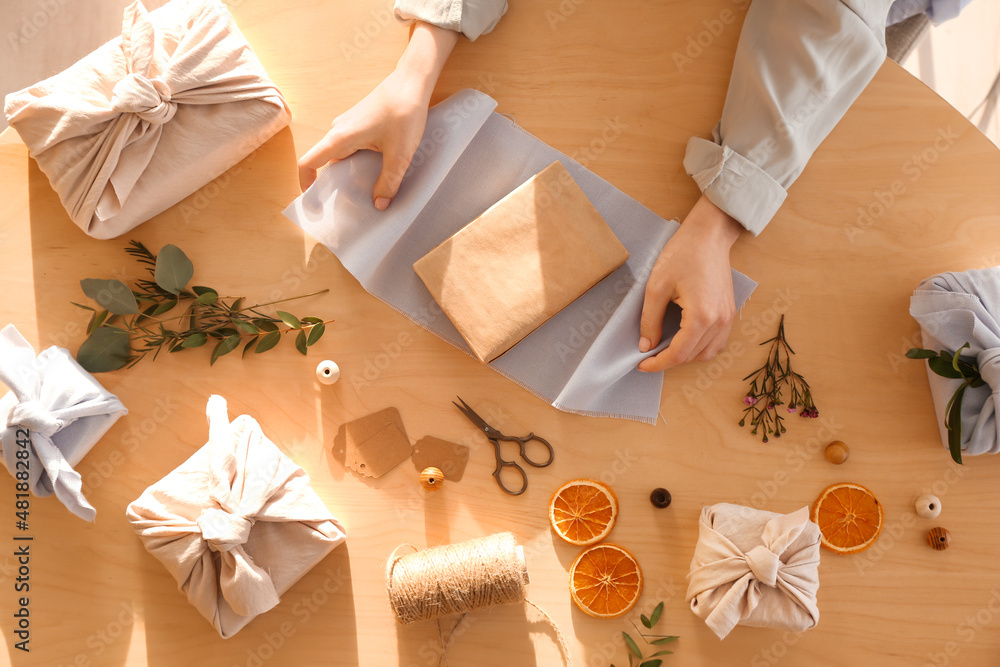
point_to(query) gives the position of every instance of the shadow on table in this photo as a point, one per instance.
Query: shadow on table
(314, 624)
(495, 637)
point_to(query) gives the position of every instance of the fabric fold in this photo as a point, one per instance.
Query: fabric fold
(54, 414)
(584, 358)
(755, 568)
(237, 524)
(148, 118)
(954, 309)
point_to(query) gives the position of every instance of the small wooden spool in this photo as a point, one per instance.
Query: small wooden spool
(939, 538)
(431, 478)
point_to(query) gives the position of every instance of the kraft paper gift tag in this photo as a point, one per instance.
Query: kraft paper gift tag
(374, 444)
(449, 457)
(522, 261)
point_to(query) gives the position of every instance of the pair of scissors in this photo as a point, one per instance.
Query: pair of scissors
(495, 437)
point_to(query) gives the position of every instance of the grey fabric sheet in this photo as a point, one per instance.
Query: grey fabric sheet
(582, 360)
(64, 409)
(954, 309)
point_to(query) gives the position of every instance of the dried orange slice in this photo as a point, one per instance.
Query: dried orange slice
(605, 581)
(583, 511)
(849, 517)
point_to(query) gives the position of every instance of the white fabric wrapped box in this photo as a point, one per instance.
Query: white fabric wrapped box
(755, 568)
(150, 117)
(53, 415)
(237, 524)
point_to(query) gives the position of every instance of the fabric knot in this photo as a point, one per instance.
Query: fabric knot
(224, 531)
(35, 417)
(147, 98)
(763, 564)
(989, 367)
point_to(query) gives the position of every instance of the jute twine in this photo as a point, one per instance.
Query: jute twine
(459, 578)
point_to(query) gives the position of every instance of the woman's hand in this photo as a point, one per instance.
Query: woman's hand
(692, 271)
(391, 118)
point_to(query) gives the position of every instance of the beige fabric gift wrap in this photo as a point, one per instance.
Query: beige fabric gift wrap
(237, 524)
(150, 117)
(522, 261)
(755, 568)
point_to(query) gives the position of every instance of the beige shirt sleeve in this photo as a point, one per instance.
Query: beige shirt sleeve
(799, 66)
(472, 18)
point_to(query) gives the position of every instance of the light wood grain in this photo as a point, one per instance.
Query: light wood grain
(97, 598)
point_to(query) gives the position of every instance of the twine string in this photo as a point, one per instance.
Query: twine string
(459, 578)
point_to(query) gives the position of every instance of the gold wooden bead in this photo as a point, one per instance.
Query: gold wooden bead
(837, 452)
(431, 478)
(939, 538)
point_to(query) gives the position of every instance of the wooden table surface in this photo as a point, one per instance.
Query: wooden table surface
(567, 71)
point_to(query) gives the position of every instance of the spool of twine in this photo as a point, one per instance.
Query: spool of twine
(458, 578)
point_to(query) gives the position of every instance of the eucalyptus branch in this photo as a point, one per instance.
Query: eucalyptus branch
(951, 365)
(209, 316)
(635, 653)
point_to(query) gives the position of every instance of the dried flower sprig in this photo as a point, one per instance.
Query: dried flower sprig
(206, 315)
(634, 653)
(951, 365)
(767, 384)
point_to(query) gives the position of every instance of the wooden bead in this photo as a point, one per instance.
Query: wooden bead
(660, 498)
(837, 452)
(431, 478)
(928, 506)
(939, 538)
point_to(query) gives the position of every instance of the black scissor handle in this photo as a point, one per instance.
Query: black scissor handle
(501, 464)
(524, 454)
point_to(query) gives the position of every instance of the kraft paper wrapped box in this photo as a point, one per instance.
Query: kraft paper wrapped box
(237, 524)
(522, 261)
(148, 118)
(756, 568)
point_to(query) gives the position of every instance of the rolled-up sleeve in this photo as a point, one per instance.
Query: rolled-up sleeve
(472, 18)
(799, 66)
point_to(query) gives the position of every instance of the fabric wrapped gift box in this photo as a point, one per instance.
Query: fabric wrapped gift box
(54, 414)
(954, 309)
(755, 568)
(150, 117)
(237, 524)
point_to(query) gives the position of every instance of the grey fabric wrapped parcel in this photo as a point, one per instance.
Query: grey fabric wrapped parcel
(954, 309)
(55, 412)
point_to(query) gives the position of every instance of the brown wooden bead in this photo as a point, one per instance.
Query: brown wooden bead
(939, 538)
(837, 452)
(431, 478)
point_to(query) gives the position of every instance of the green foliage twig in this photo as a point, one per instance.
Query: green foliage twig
(767, 385)
(951, 365)
(129, 327)
(634, 652)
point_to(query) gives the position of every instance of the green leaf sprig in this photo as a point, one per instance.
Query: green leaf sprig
(951, 365)
(128, 328)
(767, 384)
(634, 653)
